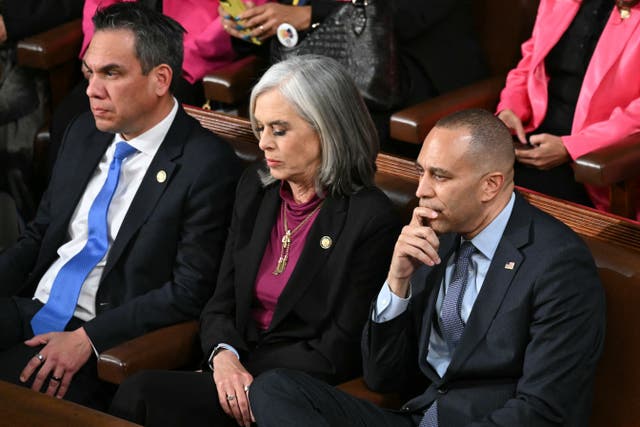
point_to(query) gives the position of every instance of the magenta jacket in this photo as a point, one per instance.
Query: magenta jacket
(608, 107)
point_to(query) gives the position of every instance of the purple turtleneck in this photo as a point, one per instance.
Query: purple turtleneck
(268, 286)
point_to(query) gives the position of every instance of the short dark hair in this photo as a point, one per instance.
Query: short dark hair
(491, 142)
(158, 38)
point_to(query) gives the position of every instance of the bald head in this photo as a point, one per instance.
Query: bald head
(490, 145)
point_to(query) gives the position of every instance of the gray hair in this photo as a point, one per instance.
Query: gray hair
(323, 94)
(158, 38)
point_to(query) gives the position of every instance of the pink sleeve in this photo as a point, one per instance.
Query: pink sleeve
(515, 96)
(622, 122)
(90, 7)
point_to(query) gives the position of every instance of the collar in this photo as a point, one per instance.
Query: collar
(488, 239)
(149, 141)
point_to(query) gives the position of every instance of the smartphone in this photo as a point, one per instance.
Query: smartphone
(235, 8)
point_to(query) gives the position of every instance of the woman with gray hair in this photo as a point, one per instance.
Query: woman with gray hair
(309, 244)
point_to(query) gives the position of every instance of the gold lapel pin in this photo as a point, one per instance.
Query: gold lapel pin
(326, 242)
(509, 265)
(161, 176)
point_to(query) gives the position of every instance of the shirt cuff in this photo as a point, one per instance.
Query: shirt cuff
(389, 305)
(221, 346)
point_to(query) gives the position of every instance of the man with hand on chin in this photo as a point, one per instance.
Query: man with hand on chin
(130, 233)
(492, 313)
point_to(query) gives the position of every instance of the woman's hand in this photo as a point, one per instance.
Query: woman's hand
(548, 152)
(232, 382)
(263, 20)
(514, 123)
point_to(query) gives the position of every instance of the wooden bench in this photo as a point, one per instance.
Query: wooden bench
(614, 242)
(20, 406)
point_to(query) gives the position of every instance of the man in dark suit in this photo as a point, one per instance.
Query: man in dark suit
(492, 313)
(129, 235)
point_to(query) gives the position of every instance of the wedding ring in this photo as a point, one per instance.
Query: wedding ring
(231, 397)
(56, 379)
(39, 357)
(261, 28)
(246, 389)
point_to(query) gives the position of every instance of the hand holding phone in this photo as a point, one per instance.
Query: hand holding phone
(234, 8)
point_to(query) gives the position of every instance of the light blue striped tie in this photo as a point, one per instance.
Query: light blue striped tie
(65, 290)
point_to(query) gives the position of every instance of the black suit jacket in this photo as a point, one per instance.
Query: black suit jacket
(162, 265)
(528, 353)
(320, 314)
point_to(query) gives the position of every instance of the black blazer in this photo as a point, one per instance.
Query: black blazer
(161, 267)
(319, 317)
(528, 353)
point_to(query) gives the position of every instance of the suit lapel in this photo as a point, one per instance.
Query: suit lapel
(329, 222)
(251, 254)
(611, 45)
(504, 266)
(80, 173)
(151, 189)
(434, 281)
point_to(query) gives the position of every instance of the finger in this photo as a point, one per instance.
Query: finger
(34, 363)
(243, 406)
(42, 375)
(538, 138)
(251, 13)
(224, 403)
(55, 381)
(520, 132)
(418, 248)
(232, 402)
(422, 215)
(37, 340)
(64, 385)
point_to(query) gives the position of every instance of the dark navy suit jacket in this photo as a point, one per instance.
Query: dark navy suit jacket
(529, 350)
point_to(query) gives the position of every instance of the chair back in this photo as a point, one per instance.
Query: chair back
(502, 26)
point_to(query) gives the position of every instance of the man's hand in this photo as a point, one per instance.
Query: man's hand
(548, 152)
(418, 244)
(232, 382)
(64, 353)
(514, 123)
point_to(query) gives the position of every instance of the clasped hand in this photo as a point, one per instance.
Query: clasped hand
(63, 354)
(544, 151)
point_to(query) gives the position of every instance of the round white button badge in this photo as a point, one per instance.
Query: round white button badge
(287, 35)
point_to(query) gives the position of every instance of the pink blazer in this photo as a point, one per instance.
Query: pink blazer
(608, 107)
(206, 45)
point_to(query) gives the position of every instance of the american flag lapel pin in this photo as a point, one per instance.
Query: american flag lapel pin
(509, 265)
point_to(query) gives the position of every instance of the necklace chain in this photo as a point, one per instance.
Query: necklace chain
(286, 238)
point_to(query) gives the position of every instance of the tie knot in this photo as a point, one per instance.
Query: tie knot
(123, 150)
(466, 250)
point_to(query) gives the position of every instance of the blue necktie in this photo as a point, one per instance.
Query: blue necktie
(65, 290)
(452, 324)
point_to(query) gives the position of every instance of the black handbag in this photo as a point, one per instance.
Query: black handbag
(358, 34)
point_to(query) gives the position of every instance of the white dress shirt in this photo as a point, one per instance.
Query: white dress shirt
(132, 172)
(390, 306)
